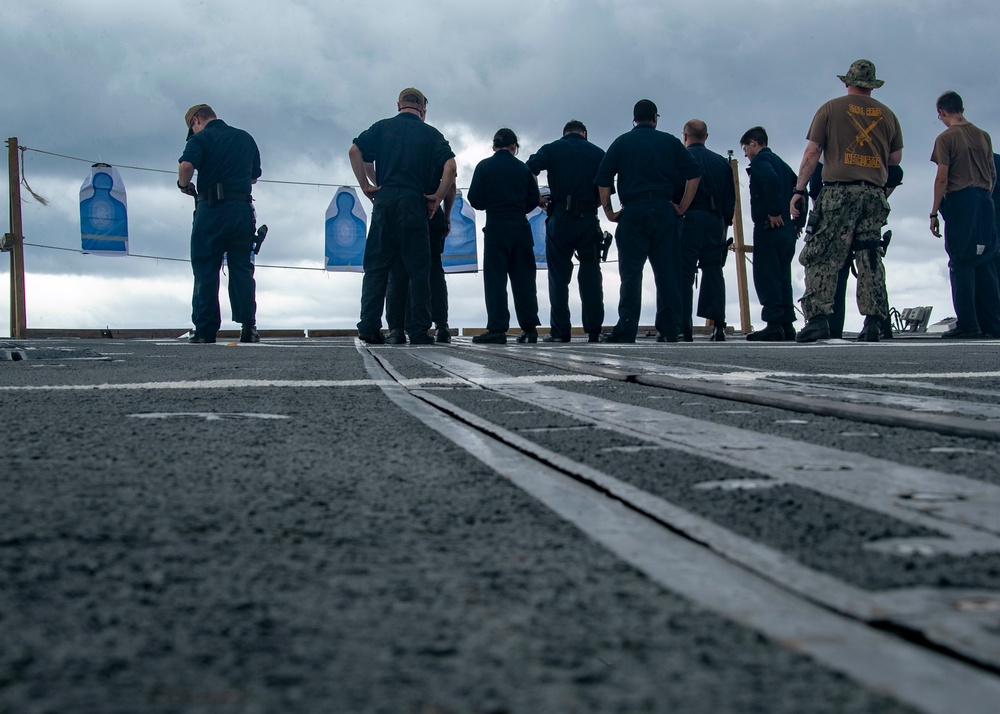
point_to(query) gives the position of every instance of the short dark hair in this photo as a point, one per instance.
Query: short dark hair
(950, 102)
(757, 134)
(205, 113)
(505, 137)
(696, 129)
(574, 126)
(644, 110)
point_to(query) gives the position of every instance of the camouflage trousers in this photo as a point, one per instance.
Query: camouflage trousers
(850, 219)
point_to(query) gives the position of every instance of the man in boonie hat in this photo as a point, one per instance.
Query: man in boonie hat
(861, 74)
(861, 145)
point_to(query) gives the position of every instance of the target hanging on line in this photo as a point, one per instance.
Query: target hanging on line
(104, 212)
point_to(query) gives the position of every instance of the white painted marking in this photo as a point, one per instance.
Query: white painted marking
(208, 416)
(632, 449)
(765, 374)
(290, 384)
(781, 381)
(978, 604)
(206, 384)
(790, 421)
(954, 450)
(737, 484)
(924, 679)
(873, 483)
(223, 343)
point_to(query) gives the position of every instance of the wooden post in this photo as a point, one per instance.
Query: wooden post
(18, 314)
(741, 252)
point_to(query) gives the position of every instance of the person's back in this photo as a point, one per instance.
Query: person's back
(571, 163)
(965, 178)
(503, 187)
(228, 156)
(228, 163)
(858, 133)
(406, 151)
(716, 192)
(648, 161)
(403, 156)
(968, 153)
(704, 234)
(650, 165)
(861, 144)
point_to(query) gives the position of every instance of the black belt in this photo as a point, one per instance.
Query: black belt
(647, 196)
(579, 207)
(244, 197)
(853, 183)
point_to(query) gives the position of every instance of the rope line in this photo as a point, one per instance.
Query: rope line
(188, 260)
(165, 171)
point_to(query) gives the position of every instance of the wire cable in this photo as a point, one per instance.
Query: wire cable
(166, 171)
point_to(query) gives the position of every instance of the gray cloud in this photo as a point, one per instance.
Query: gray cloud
(111, 81)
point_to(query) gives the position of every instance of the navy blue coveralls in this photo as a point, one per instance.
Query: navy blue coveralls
(504, 187)
(983, 309)
(970, 238)
(704, 238)
(649, 164)
(771, 186)
(407, 154)
(228, 157)
(572, 226)
(399, 281)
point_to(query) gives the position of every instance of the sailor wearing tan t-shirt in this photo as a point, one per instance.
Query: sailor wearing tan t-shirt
(966, 175)
(861, 144)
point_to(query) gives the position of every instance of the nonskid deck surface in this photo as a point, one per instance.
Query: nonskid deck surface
(318, 524)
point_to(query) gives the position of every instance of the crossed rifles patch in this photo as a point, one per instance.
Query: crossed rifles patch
(865, 119)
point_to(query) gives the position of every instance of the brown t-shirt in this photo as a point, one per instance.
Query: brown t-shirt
(968, 153)
(857, 134)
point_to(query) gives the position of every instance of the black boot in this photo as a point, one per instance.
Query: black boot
(870, 332)
(818, 328)
(396, 336)
(771, 333)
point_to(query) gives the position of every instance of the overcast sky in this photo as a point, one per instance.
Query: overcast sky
(111, 80)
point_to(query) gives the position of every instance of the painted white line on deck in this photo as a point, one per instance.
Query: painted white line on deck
(764, 374)
(294, 384)
(926, 680)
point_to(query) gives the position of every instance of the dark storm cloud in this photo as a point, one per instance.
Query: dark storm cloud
(111, 81)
